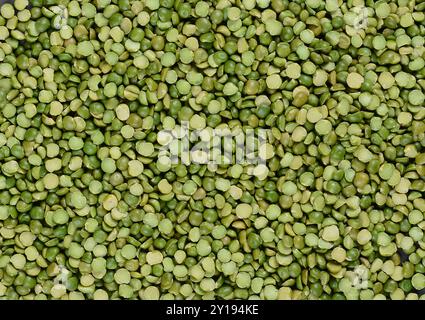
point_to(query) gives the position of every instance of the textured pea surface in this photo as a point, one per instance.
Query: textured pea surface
(91, 208)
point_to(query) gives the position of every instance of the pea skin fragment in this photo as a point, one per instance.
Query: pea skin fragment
(215, 150)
